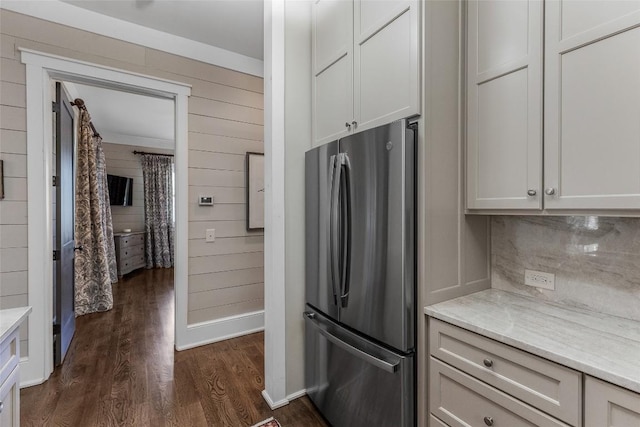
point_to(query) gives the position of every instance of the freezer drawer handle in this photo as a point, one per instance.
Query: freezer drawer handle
(389, 367)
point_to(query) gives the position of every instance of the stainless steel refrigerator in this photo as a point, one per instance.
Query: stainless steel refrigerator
(360, 316)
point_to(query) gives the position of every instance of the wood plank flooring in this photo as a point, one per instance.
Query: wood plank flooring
(122, 370)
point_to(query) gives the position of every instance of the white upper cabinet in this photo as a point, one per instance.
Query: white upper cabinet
(366, 65)
(592, 104)
(504, 104)
(332, 67)
(591, 111)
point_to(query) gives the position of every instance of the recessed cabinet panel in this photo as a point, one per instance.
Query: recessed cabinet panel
(581, 16)
(597, 113)
(382, 61)
(504, 105)
(375, 14)
(592, 106)
(366, 65)
(607, 405)
(332, 55)
(333, 101)
(333, 38)
(462, 401)
(502, 137)
(502, 33)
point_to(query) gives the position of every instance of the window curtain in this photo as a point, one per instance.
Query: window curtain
(95, 264)
(157, 174)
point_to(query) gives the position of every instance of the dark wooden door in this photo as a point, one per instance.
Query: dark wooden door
(64, 322)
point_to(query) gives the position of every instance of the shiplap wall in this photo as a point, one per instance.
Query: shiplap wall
(13, 209)
(225, 121)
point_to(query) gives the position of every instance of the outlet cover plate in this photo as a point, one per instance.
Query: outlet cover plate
(540, 279)
(210, 235)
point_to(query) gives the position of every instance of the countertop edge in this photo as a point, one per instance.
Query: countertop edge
(540, 352)
(17, 321)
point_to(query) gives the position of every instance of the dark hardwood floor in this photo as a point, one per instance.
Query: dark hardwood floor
(121, 369)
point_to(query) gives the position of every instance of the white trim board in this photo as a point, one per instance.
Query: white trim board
(222, 329)
(138, 141)
(275, 322)
(283, 402)
(87, 20)
(41, 68)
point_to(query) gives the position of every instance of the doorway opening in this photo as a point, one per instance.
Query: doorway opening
(132, 158)
(41, 70)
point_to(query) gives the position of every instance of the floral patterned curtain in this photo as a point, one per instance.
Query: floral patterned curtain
(157, 174)
(95, 264)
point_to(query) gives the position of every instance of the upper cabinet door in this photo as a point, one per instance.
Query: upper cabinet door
(332, 67)
(386, 61)
(504, 104)
(592, 104)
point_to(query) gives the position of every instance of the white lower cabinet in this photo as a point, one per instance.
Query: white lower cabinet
(9, 382)
(476, 381)
(607, 405)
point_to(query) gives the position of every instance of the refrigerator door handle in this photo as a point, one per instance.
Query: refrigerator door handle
(346, 232)
(334, 170)
(379, 363)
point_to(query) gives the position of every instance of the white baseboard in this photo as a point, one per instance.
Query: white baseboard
(274, 405)
(298, 394)
(30, 374)
(222, 329)
(284, 402)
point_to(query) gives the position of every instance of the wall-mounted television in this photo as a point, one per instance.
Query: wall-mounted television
(120, 190)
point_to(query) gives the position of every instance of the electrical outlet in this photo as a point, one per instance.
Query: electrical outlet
(210, 235)
(540, 279)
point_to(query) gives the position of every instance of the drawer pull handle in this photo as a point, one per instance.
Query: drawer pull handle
(488, 421)
(1, 406)
(488, 363)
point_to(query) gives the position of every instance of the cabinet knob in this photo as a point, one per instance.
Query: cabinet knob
(347, 125)
(488, 363)
(488, 421)
(354, 124)
(532, 193)
(550, 191)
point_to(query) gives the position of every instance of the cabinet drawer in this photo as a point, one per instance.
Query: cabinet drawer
(10, 398)
(607, 405)
(131, 240)
(545, 385)
(132, 263)
(9, 355)
(131, 251)
(462, 401)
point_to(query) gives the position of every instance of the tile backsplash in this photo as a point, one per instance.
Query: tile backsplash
(596, 260)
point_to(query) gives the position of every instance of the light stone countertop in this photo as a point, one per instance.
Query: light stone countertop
(603, 346)
(10, 320)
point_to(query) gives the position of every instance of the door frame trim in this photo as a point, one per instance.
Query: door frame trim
(41, 68)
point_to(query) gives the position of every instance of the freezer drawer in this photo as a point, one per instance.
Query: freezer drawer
(354, 382)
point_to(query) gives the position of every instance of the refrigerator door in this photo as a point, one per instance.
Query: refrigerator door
(321, 287)
(378, 296)
(355, 382)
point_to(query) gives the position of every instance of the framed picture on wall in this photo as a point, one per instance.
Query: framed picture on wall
(255, 191)
(1, 179)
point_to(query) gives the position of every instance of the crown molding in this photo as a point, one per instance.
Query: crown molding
(87, 20)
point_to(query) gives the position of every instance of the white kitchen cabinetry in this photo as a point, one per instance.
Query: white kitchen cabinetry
(504, 104)
(477, 381)
(607, 405)
(10, 320)
(591, 105)
(366, 65)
